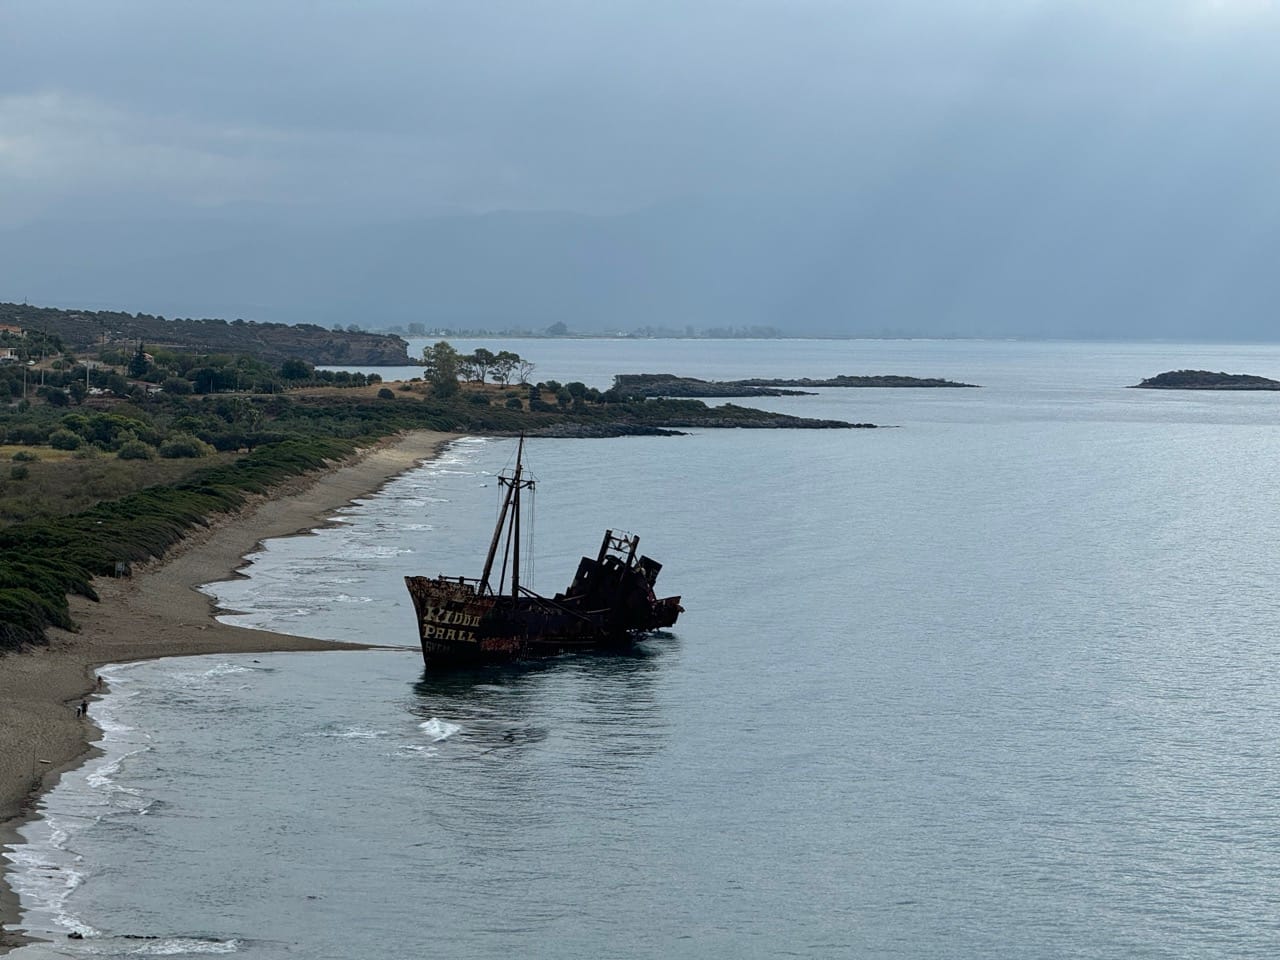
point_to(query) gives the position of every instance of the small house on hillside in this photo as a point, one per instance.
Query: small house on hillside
(10, 328)
(8, 355)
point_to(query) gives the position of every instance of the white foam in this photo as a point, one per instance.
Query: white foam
(104, 775)
(358, 733)
(438, 729)
(418, 748)
(177, 945)
(45, 876)
(216, 672)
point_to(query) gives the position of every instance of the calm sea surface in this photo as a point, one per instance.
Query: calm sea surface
(1003, 682)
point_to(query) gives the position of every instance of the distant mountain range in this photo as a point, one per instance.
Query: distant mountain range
(944, 264)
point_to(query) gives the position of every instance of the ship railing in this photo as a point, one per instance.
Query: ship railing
(473, 582)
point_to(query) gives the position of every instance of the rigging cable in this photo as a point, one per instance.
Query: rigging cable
(529, 541)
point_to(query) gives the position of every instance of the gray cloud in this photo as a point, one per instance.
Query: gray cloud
(1017, 137)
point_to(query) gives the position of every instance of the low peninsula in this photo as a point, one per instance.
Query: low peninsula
(636, 386)
(1206, 380)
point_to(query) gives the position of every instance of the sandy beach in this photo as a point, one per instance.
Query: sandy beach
(158, 612)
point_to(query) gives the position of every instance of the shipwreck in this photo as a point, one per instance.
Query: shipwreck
(479, 620)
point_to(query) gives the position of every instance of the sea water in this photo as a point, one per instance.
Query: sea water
(1000, 682)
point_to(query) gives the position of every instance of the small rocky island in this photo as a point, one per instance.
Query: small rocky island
(643, 385)
(1206, 380)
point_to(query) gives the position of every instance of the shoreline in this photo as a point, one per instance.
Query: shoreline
(158, 613)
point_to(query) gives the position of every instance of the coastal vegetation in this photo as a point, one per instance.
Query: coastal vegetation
(46, 559)
(106, 465)
(1206, 380)
(91, 330)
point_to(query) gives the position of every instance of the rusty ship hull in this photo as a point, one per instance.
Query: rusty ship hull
(457, 624)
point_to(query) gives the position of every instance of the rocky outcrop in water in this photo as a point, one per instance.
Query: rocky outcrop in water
(640, 385)
(1206, 380)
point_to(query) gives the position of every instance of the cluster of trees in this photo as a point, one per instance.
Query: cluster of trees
(182, 373)
(445, 366)
(275, 342)
(65, 380)
(574, 395)
(136, 433)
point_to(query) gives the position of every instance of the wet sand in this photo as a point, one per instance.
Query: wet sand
(158, 612)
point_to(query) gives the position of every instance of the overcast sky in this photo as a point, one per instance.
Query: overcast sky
(1110, 112)
(386, 107)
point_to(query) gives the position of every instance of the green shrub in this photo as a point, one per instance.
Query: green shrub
(513, 403)
(26, 456)
(386, 394)
(19, 471)
(64, 439)
(184, 445)
(479, 399)
(135, 450)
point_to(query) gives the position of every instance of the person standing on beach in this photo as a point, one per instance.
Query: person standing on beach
(84, 708)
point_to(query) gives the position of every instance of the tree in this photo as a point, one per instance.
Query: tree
(466, 367)
(441, 362)
(205, 379)
(483, 360)
(504, 365)
(294, 369)
(139, 365)
(523, 370)
(55, 397)
(63, 439)
(78, 390)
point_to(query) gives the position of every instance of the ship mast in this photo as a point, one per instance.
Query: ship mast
(510, 507)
